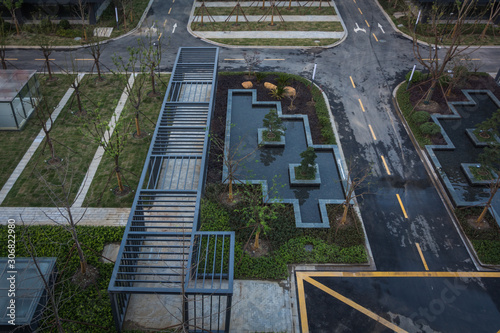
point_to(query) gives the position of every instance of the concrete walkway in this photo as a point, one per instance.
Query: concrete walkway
(36, 143)
(266, 4)
(87, 181)
(50, 215)
(270, 34)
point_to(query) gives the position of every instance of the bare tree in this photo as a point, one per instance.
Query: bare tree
(135, 90)
(494, 12)
(432, 57)
(96, 49)
(353, 183)
(47, 48)
(151, 56)
(81, 12)
(252, 60)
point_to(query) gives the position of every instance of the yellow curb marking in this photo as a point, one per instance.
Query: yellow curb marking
(401, 204)
(373, 133)
(386, 166)
(360, 103)
(302, 304)
(352, 81)
(422, 256)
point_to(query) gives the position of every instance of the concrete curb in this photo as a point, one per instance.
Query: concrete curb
(440, 189)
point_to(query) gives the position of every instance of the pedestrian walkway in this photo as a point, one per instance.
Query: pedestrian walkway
(87, 181)
(52, 215)
(270, 34)
(266, 3)
(36, 143)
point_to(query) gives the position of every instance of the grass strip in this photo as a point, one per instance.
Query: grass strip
(70, 145)
(266, 26)
(219, 11)
(16, 143)
(133, 157)
(275, 41)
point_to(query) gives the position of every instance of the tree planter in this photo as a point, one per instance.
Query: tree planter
(316, 181)
(263, 141)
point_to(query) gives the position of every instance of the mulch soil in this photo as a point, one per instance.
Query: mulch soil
(476, 82)
(302, 105)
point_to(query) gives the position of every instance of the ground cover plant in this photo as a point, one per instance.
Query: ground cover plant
(82, 309)
(76, 152)
(100, 193)
(16, 143)
(64, 33)
(282, 243)
(410, 101)
(485, 237)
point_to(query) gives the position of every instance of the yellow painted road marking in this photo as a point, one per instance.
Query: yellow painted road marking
(360, 103)
(44, 59)
(302, 304)
(360, 11)
(355, 305)
(401, 204)
(424, 274)
(353, 85)
(430, 59)
(422, 256)
(367, 23)
(169, 10)
(474, 59)
(373, 133)
(84, 59)
(161, 33)
(229, 59)
(375, 37)
(11, 59)
(274, 59)
(354, 1)
(386, 166)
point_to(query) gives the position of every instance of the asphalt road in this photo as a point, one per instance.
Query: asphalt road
(407, 224)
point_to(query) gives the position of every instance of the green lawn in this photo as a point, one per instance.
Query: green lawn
(265, 26)
(134, 156)
(303, 10)
(70, 145)
(16, 143)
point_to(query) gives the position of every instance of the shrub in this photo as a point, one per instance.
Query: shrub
(64, 24)
(46, 25)
(417, 77)
(283, 79)
(488, 251)
(279, 92)
(259, 77)
(213, 217)
(420, 117)
(70, 33)
(430, 128)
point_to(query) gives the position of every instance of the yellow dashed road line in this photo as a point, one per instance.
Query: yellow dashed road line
(422, 256)
(373, 133)
(402, 206)
(385, 165)
(361, 104)
(367, 23)
(360, 11)
(375, 37)
(353, 85)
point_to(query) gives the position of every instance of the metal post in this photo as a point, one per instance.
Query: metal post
(416, 22)
(411, 77)
(116, 15)
(497, 78)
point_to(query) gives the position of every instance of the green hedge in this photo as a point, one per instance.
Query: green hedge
(91, 305)
(486, 241)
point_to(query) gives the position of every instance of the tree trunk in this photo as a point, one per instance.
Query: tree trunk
(483, 34)
(344, 215)
(98, 68)
(51, 145)
(430, 92)
(119, 179)
(488, 204)
(153, 80)
(81, 255)
(137, 127)
(230, 195)
(79, 101)
(47, 62)
(256, 244)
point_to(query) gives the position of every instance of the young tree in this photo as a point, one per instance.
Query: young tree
(96, 49)
(3, 47)
(13, 6)
(47, 48)
(44, 116)
(308, 164)
(151, 56)
(112, 138)
(273, 123)
(252, 60)
(126, 8)
(136, 89)
(494, 12)
(490, 159)
(433, 58)
(490, 126)
(354, 182)
(80, 10)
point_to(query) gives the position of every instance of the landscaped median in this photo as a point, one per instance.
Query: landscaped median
(446, 129)
(253, 24)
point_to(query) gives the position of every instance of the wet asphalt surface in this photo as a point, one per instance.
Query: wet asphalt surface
(376, 65)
